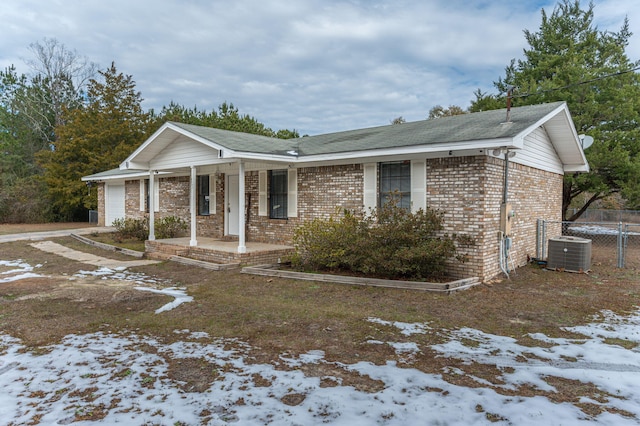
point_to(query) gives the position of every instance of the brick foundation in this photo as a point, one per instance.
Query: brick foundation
(216, 256)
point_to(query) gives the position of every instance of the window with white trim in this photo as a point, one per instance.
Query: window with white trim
(395, 183)
(204, 195)
(278, 194)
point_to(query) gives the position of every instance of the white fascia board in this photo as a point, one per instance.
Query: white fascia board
(124, 176)
(145, 144)
(413, 150)
(259, 156)
(562, 109)
(416, 150)
(580, 168)
(197, 138)
(546, 118)
(130, 162)
(128, 165)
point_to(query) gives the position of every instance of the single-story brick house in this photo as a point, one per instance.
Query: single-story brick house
(456, 164)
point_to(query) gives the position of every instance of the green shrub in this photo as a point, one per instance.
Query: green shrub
(325, 243)
(169, 227)
(130, 228)
(25, 201)
(138, 229)
(391, 242)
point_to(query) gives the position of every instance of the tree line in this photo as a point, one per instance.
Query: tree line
(67, 119)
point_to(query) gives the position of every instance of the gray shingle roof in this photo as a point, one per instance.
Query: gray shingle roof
(240, 142)
(115, 173)
(485, 125)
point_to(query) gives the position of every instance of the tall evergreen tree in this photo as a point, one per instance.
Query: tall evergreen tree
(93, 139)
(31, 107)
(227, 117)
(569, 59)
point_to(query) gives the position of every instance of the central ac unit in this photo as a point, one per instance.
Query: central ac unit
(570, 254)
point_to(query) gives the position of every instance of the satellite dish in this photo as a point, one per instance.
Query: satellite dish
(586, 141)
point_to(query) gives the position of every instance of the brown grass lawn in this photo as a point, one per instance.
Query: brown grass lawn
(17, 228)
(277, 316)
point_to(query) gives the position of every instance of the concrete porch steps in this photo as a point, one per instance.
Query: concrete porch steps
(203, 264)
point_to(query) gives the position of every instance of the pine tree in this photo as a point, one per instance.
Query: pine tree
(569, 59)
(92, 139)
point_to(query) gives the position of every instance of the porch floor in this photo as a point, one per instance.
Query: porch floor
(219, 251)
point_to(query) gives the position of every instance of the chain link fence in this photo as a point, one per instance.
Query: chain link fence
(612, 243)
(611, 216)
(631, 246)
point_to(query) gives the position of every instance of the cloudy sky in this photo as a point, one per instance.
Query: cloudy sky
(316, 66)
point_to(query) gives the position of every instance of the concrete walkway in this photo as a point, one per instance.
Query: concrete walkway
(36, 236)
(91, 259)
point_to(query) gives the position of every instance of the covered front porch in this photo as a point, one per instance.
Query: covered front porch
(224, 252)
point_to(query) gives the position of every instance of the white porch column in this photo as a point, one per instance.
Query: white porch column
(193, 206)
(152, 203)
(242, 248)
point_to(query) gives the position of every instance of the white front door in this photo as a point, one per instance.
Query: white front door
(232, 201)
(114, 203)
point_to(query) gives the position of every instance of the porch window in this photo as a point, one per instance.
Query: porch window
(144, 195)
(278, 186)
(395, 183)
(203, 195)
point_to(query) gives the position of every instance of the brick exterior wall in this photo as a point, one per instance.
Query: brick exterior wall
(212, 225)
(321, 192)
(457, 186)
(468, 190)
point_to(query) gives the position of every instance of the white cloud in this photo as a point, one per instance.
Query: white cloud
(313, 65)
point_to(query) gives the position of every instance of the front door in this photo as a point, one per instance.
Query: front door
(232, 201)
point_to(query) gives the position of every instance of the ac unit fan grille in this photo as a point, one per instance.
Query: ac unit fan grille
(570, 254)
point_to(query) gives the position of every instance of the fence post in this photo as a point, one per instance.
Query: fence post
(544, 239)
(538, 224)
(620, 254)
(625, 241)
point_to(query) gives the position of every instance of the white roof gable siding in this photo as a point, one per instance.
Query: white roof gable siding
(184, 152)
(538, 152)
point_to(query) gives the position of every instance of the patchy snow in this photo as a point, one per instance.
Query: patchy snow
(21, 270)
(113, 374)
(127, 378)
(118, 273)
(122, 274)
(598, 230)
(405, 328)
(179, 294)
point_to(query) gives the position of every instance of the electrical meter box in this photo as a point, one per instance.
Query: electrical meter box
(506, 218)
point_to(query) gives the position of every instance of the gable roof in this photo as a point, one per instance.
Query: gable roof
(481, 130)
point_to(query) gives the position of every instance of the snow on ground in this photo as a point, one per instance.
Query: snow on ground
(112, 374)
(598, 230)
(20, 271)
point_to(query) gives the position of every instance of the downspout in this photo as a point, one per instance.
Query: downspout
(505, 188)
(506, 214)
